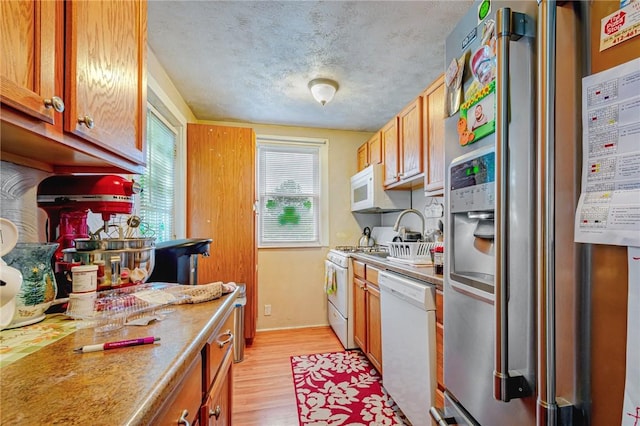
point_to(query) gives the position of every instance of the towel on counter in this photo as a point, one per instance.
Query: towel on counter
(330, 281)
(205, 292)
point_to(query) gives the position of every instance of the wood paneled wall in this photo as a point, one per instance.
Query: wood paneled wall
(220, 199)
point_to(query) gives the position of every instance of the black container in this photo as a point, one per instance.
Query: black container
(177, 260)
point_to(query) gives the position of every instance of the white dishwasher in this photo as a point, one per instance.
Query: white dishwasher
(408, 316)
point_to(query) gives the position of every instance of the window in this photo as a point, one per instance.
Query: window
(157, 201)
(289, 182)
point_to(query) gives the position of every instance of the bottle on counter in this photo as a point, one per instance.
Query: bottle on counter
(103, 284)
(438, 260)
(115, 271)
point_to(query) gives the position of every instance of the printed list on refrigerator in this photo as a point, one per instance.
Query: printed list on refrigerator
(609, 206)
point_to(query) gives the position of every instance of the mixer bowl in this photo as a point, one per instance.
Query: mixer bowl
(138, 261)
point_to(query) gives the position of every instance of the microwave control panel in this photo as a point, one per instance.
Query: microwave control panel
(472, 185)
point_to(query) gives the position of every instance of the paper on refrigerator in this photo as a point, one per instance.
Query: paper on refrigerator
(631, 404)
(609, 206)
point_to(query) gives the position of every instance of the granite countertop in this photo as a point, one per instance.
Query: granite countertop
(421, 273)
(125, 386)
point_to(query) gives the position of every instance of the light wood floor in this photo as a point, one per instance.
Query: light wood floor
(263, 392)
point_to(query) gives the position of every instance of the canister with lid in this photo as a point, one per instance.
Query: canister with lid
(84, 278)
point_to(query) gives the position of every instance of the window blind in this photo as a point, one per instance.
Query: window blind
(288, 194)
(157, 203)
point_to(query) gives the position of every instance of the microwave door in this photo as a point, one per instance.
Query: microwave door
(361, 192)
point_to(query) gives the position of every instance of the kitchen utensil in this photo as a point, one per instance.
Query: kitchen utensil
(366, 240)
(133, 222)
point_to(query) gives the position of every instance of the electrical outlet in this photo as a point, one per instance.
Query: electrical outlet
(267, 310)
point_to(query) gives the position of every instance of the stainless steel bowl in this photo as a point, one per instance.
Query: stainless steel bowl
(128, 243)
(138, 261)
(84, 244)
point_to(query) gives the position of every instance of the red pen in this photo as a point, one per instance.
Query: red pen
(115, 345)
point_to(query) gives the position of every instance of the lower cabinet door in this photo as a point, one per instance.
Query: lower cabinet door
(374, 327)
(184, 404)
(216, 411)
(359, 313)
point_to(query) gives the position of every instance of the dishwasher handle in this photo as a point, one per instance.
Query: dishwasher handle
(441, 420)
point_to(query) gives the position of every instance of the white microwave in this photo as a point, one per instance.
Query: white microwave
(368, 194)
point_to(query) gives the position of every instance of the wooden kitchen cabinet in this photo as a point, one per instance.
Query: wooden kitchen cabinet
(406, 156)
(433, 114)
(220, 205)
(88, 60)
(391, 150)
(363, 156)
(184, 404)
(216, 411)
(370, 152)
(218, 355)
(28, 80)
(374, 326)
(367, 323)
(360, 312)
(105, 76)
(204, 395)
(410, 140)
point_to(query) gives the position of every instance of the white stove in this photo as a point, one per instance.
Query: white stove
(338, 283)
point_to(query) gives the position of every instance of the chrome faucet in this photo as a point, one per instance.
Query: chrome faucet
(403, 213)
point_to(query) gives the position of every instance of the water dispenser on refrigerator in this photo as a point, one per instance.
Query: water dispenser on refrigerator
(471, 195)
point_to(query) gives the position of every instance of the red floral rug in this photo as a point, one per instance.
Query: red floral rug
(341, 388)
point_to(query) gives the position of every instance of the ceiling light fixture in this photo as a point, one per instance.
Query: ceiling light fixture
(323, 89)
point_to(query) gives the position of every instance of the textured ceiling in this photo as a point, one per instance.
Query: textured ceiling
(251, 61)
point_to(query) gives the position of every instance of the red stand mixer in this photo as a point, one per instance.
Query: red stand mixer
(68, 199)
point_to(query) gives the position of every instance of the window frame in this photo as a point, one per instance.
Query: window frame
(323, 209)
(151, 109)
(165, 107)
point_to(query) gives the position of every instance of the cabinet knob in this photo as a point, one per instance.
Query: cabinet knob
(215, 412)
(87, 121)
(183, 418)
(55, 102)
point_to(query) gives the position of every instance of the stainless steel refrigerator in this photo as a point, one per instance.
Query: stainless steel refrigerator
(518, 297)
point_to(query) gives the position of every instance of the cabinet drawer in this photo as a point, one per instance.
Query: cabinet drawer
(372, 274)
(216, 410)
(219, 344)
(359, 269)
(440, 354)
(439, 307)
(187, 396)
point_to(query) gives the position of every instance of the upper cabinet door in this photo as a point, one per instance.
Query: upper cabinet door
(390, 147)
(375, 148)
(105, 78)
(411, 139)
(433, 101)
(363, 156)
(30, 31)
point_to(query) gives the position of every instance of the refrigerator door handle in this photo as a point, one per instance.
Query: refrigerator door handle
(548, 412)
(510, 26)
